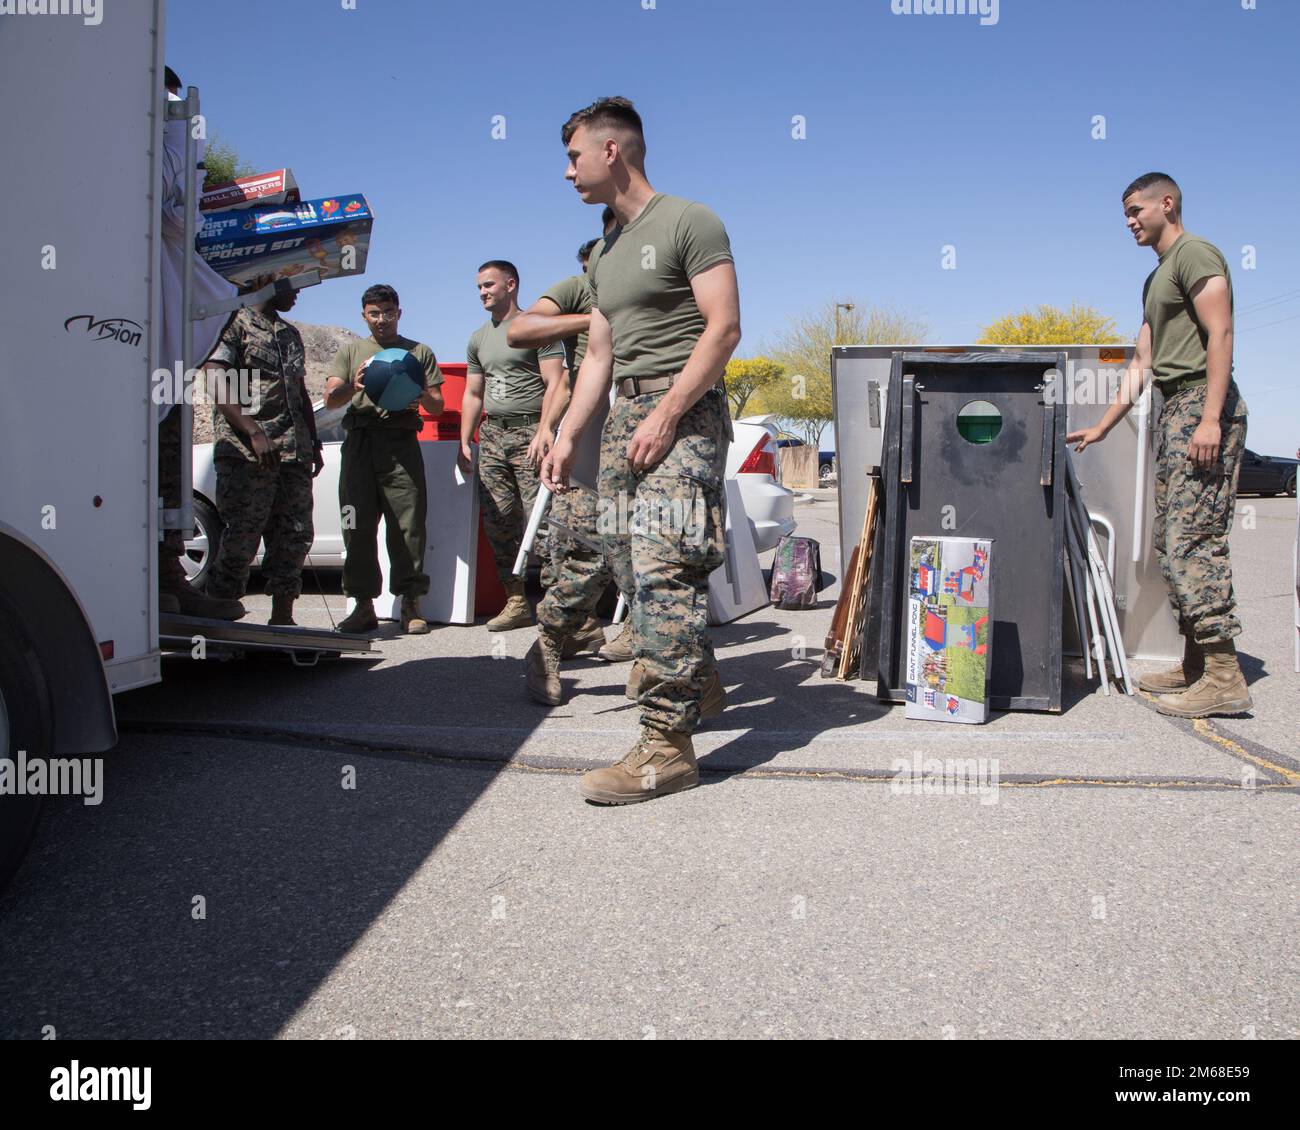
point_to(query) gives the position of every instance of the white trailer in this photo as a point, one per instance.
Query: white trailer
(80, 515)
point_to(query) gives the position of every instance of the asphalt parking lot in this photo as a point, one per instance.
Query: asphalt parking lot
(394, 846)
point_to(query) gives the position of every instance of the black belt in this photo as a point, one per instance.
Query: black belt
(523, 420)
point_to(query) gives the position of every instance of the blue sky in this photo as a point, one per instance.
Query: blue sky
(922, 131)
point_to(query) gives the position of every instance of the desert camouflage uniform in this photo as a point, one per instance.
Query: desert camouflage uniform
(507, 490)
(578, 575)
(664, 549)
(1194, 513)
(255, 503)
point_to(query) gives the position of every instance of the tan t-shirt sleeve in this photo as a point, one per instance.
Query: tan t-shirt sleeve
(340, 364)
(432, 374)
(702, 241)
(472, 363)
(1198, 261)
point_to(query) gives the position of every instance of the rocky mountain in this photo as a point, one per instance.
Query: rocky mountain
(320, 344)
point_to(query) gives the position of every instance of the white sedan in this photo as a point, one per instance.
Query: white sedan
(753, 460)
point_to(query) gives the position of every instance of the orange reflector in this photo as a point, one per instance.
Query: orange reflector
(106, 649)
(1111, 354)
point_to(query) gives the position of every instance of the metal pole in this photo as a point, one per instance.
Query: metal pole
(540, 505)
(185, 513)
(1143, 412)
(1076, 606)
(1099, 650)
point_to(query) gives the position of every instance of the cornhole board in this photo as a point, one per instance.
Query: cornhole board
(451, 547)
(1010, 490)
(489, 594)
(950, 585)
(736, 587)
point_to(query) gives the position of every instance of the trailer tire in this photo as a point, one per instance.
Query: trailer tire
(26, 723)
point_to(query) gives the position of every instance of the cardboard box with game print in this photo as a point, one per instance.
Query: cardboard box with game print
(330, 235)
(276, 187)
(949, 629)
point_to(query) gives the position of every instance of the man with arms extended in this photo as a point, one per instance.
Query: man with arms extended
(266, 454)
(382, 471)
(1186, 342)
(511, 385)
(665, 319)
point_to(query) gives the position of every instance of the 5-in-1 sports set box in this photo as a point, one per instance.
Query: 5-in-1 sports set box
(331, 235)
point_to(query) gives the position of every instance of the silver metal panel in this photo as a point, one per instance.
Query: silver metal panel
(128, 674)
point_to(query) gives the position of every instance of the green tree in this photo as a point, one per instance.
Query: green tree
(223, 163)
(745, 377)
(1050, 325)
(801, 400)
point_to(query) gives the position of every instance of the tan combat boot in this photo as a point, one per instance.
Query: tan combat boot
(713, 702)
(659, 763)
(413, 624)
(590, 637)
(361, 619)
(282, 612)
(542, 669)
(1177, 678)
(619, 650)
(188, 601)
(1220, 690)
(517, 613)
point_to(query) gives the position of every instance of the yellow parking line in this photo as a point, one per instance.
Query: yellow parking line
(1206, 730)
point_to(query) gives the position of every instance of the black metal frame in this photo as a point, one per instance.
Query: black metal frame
(888, 591)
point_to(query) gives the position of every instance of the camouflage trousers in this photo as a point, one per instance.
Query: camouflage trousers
(507, 490)
(1193, 515)
(663, 535)
(578, 575)
(262, 505)
(170, 570)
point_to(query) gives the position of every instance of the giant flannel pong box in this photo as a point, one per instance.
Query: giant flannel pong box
(330, 235)
(949, 629)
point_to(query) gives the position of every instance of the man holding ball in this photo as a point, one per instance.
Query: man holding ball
(382, 471)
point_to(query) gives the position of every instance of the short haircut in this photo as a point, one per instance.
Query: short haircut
(610, 114)
(506, 267)
(378, 293)
(1161, 181)
(171, 80)
(584, 252)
